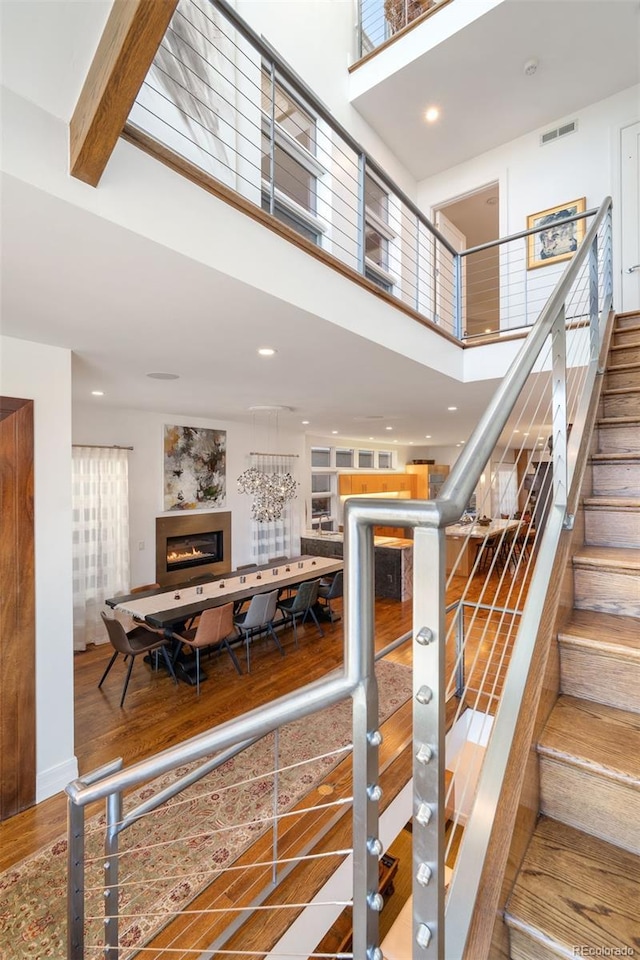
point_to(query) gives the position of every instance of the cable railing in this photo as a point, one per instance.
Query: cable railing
(483, 558)
(233, 115)
(379, 20)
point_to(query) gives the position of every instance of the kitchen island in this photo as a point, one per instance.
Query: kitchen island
(393, 561)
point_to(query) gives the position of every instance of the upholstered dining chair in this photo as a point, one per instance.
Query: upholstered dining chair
(214, 630)
(329, 590)
(257, 619)
(131, 644)
(144, 587)
(300, 606)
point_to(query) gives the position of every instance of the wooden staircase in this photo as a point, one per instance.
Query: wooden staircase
(578, 889)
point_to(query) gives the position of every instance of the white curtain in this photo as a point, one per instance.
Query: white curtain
(100, 537)
(273, 538)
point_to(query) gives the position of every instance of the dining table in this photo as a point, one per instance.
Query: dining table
(463, 540)
(170, 608)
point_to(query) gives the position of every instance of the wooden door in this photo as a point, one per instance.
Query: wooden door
(17, 610)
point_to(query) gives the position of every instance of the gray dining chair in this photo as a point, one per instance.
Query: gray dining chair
(300, 606)
(329, 590)
(131, 643)
(258, 619)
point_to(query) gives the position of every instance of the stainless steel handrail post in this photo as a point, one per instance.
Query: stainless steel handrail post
(75, 882)
(359, 608)
(111, 871)
(272, 142)
(593, 297)
(362, 215)
(428, 740)
(559, 410)
(460, 645)
(276, 784)
(457, 294)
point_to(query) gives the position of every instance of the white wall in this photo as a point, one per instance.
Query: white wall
(533, 178)
(144, 432)
(40, 373)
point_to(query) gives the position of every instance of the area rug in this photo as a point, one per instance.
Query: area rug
(169, 857)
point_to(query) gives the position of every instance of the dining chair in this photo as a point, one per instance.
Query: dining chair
(246, 566)
(257, 619)
(331, 589)
(131, 644)
(278, 559)
(144, 587)
(214, 630)
(300, 606)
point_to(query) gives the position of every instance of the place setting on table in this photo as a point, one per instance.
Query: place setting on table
(174, 608)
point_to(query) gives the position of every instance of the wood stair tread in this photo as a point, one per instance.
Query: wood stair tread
(615, 457)
(618, 421)
(574, 889)
(618, 503)
(619, 391)
(602, 739)
(605, 633)
(623, 367)
(616, 558)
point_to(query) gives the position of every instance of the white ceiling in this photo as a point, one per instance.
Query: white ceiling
(170, 314)
(587, 50)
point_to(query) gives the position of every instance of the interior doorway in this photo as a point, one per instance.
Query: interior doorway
(474, 217)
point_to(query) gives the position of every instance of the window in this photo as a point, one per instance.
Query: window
(295, 168)
(320, 483)
(384, 460)
(321, 456)
(365, 458)
(378, 235)
(344, 458)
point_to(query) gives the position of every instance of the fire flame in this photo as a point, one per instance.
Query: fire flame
(178, 557)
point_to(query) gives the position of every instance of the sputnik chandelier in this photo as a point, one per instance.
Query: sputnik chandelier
(270, 492)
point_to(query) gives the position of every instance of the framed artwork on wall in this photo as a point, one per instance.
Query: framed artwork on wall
(194, 472)
(558, 240)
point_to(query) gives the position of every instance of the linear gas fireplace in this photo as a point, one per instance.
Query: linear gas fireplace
(192, 546)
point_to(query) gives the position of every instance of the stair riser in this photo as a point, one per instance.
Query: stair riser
(612, 528)
(614, 681)
(621, 439)
(607, 808)
(621, 379)
(597, 589)
(625, 353)
(622, 323)
(630, 335)
(619, 479)
(625, 405)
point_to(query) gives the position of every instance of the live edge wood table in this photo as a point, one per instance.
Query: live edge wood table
(166, 609)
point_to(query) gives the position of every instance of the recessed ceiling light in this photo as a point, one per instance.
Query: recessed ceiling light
(164, 376)
(266, 351)
(458, 444)
(334, 431)
(370, 438)
(97, 393)
(452, 408)
(410, 443)
(305, 422)
(388, 428)
(432, 114)
(427, 436)
(395, 441)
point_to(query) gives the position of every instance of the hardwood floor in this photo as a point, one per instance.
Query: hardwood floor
(157, 714)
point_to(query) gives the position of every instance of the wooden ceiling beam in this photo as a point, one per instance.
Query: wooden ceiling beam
(126, 50)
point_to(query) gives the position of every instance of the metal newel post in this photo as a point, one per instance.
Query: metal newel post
(428, 742)
(559, 409)
(460, 643)
(594, 311)
(75, 882)
(111, 892)
(457, 294)
(276, 784)
(359, 624)
(362, 169)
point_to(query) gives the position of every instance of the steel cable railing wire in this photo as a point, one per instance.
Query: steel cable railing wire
(489, 660)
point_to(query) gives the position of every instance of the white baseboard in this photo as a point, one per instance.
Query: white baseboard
(55, 779)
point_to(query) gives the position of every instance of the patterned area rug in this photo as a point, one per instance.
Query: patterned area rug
(168, 857)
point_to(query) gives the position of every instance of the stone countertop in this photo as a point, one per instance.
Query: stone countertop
(393, 543)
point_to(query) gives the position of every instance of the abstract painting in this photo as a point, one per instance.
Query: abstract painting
(194, 468)
(558, 240)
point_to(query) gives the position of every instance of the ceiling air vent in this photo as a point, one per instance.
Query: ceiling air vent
(558, 132)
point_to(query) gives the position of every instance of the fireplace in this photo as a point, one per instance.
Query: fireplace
(193, 546)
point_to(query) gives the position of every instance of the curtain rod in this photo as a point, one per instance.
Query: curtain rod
(102, 446)
(290, 455)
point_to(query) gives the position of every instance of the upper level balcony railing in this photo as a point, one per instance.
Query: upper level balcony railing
(379, 20)
(221, 106)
